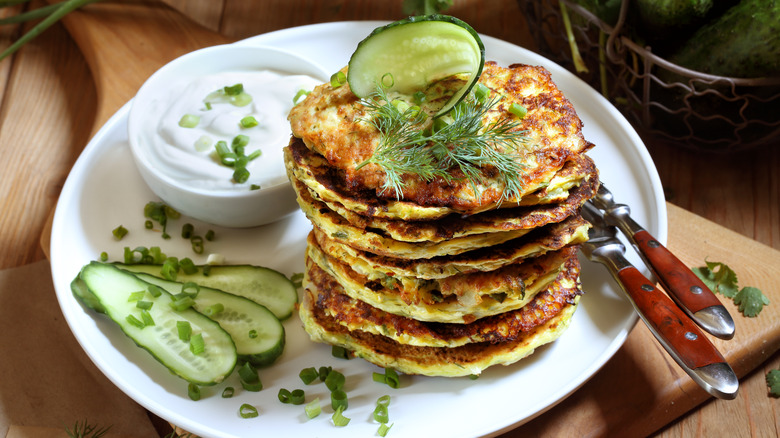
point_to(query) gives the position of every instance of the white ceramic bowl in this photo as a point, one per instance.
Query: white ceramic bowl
(223, 207)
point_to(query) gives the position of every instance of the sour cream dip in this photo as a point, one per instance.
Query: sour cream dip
(188, 154)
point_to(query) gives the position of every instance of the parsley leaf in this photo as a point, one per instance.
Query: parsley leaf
(773, 381)
(722, 279)
(750, 301)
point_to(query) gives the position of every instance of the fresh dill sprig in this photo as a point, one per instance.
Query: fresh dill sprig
(83, 430)
(411, 144)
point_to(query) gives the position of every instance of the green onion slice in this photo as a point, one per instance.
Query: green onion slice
(193, 391)
(335, 380)
(197, 345)
(247, 411)
(228, 392)
(518, 110)
(297, 397)
(189, 121)
(184, 330)
(338, 400)
(248, 122)
(338, 79)
(284, 395)
(313, 408)
(308, 375)
(339, 420)
(383, 429)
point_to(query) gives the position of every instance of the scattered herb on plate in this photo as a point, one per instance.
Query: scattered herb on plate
(720, 278)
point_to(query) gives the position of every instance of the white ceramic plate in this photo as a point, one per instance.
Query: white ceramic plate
(105, 190)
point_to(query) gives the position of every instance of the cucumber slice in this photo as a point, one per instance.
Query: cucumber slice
(418, 52)
(239, 317)
(262, 285)
(106, 288)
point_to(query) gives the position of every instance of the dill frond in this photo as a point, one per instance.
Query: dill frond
(411, 144)
(84, 430)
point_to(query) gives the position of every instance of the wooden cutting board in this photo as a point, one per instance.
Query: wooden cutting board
(639, 391)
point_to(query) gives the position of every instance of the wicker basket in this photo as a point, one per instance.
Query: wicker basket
(662, 100)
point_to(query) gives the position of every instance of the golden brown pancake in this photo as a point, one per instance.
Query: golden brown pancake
(551, 237)
(357, 315)
(466, 360)
(334, 123)
(580, 172)
(461, 298)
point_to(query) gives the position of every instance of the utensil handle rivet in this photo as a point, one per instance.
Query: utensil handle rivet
(647, 287)
(691, 336)
(653, 243)
(696, 290)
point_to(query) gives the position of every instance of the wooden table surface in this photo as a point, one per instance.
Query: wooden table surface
(48, 110)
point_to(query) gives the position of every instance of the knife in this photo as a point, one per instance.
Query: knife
(681, 283)
(677, 333)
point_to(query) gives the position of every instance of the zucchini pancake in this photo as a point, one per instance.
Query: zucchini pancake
(442, 242)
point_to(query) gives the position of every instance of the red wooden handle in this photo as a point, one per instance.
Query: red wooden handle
(668, 321)
(674, 276)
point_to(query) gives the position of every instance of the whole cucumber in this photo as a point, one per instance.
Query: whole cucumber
(744, 42)
(670, 15)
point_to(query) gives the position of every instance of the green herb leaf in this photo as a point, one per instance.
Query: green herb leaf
(750, 301)
(773, 381)
(459, 148)
(722, 279)
(84, 430)
(425, 7)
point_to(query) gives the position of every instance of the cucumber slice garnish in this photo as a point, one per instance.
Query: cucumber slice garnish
(257, 333)
(264, 286)
(412, 54)
(106, 288)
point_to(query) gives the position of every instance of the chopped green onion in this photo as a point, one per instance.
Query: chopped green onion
(335, 380)
(190, 288)
(187, 230)
(241, 175)
(148, 225)
(297, 98)
(390, 378)
(380, 414)
(323, 373)
(388, 80)
(119, 232)
(210, 235)
(297, 397)
(213, 309)
(156, 255)
(284, 395)
(339, 420)
(181, 302)
(188, 266)
(242, 99)
(473, 376)
(228, 392)
(256, 153)
(247, 411)
(144, 305)
(518, 110)
(226, 156)
(254, 187)
(338, 79)
(103, 256)
(308, 375)
(250, 380)
(313, 408)
(197, 244)
(248, 122)
(189, 121)
(135, 296)
(383, 429)
(419, 97)
(154, 290)
(384, 400)
(203, 143)
(184, 329)
(339, 352)
(234, 90)
(297, 279)
(134, 321)
(197, 345)
(481, 92)
(193, 391)
(338, 400)
(239, 141)
(252, 334)
(170, 268)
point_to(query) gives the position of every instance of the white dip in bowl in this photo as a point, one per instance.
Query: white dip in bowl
(194, 106)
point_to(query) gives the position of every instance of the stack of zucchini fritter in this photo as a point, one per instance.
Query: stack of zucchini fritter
(447, 276)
